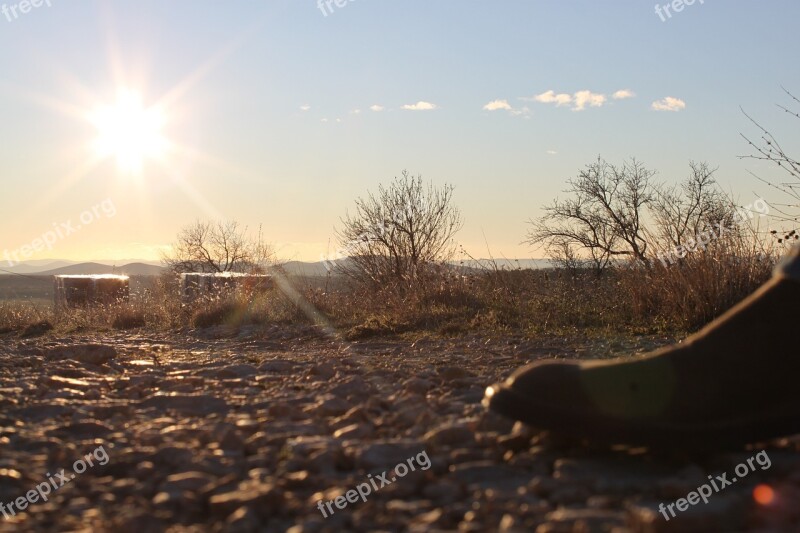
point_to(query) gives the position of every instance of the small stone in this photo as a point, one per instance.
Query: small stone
(296, 480)
(95, 354)
(186, 481)
(355, 386)
(721, 513)
(139, 521)
(418, 385)
(487, 474)
(264, 497)
(278, 366)
(330, 406)
(454, 372)
(387, 454)
(353, 431)
(583, 520)
(514, 443)
(452, 435)
(236, 371)
(323, 371)
(243, 519)
(81, 430)
(443, 492)
(186, 404)
(64, 382)
(427, 519)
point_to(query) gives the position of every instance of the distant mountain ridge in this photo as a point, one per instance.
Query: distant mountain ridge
(132, 269)
(297, 268)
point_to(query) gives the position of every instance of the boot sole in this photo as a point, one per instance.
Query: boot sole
(663, 436)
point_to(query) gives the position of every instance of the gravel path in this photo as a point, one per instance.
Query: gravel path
(248, 430)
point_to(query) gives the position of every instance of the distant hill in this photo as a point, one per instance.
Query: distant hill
(302, 268)
(508, 264)
(293, 268)
(141, 269)
(32, 267)
(133, 269)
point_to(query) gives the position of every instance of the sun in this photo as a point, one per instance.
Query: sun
(129, 132)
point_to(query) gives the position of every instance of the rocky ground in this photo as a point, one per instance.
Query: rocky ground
(226, 430)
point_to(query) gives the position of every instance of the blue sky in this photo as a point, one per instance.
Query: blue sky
(269, 109)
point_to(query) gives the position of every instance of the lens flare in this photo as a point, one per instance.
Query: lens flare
(764, 495)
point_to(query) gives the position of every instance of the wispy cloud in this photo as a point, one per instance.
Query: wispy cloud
(496, 105)
(579, 100)
(550, 97)
(305, 107)
(623, 94)
(524, 111)
(376, 108)
(503, 105)
(420, 106)
(588, 98)
(551, 152)
(669, 103)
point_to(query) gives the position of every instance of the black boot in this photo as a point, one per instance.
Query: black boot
(734, 382)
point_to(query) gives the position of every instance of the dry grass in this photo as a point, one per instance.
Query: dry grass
(14, 317)
(662, 299)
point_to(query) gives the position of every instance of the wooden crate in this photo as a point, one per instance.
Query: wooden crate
(82, 291)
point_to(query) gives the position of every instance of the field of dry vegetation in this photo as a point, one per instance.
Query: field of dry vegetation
(630, 255)
(528, 302)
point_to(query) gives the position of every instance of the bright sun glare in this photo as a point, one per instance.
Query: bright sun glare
(129, 132)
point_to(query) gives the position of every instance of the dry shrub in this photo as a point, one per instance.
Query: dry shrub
(160, 304)
(700, 287)
(216, 313)
(375, 326)
(15, 316)
(37, 329)
(252, 307)
(128, 319)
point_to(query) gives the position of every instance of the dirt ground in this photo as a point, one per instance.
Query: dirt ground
(258, 429)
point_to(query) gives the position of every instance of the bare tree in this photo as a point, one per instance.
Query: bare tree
(683, 211)
(394, 234)
(767, 148)
(564, 253)
(213, 247)
(603, 216)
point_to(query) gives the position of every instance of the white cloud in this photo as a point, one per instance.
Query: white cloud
(356, 111)
(579, 100)
(551, 152)
(584, 98)
(550, 97)
(420, 106)
(503, 105)
(495, 105)
(376, 107)
(622, 94)
(324, 120)
(305, 107)
(669, 103)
